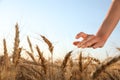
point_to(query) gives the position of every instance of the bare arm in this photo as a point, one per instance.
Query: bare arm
(108, 25)
(111, 20)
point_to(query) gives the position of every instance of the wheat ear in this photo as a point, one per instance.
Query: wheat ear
(42, 59)
(6, 58)
(80, 62)
(63, 65)
(31, 55)
(17, 50)
(48, 43)
(102, 67)
(30, 44)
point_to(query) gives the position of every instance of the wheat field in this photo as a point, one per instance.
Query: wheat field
(16, 67)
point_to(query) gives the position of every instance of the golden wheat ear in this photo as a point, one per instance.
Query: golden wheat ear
(118, 49)
(80, 62)
(6, 58)
(48, 43)
(42, 60)
(31, 55)
(103, 66)
(30, 44)
(63, 65)
(17, 50)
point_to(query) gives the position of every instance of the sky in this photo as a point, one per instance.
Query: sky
(58, 20)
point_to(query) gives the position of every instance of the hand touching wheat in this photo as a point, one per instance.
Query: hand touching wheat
(108, 25)
(89, 41)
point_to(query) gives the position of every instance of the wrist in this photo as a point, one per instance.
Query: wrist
(104, 37)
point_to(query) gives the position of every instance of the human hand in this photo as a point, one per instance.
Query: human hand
(89, 41)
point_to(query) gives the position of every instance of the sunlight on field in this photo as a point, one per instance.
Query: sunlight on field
(16, 67)
(40, 45)
(58, 23)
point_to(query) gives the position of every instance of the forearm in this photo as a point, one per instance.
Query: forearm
(111, 20)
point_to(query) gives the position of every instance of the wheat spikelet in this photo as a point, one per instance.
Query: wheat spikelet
(110, 76)
(6, 62)
(16, 52)
(6, 58)
(32, 75)
(95, 60)
(92, 58)
(63, 65)
(51, 50)
(34, 72)
(30, 44)
(87, 64)
(48, 43)
(24, 62)
(80, 62)
(71, 62)
(5, 48)
(102, 67)
(19, 51)
(31, 55)
(29, 77)
(40, 53)
(42, 76)
(42, 59)
(118, 49)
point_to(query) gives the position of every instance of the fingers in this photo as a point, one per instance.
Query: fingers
(89, 37)
(93, 43)
(76, 43)
(87, 42)
(90, 42)
(81, 34)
